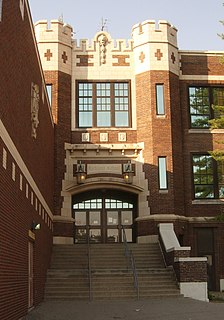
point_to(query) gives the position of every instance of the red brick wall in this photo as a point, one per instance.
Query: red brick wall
(19, 68)
(201, 65)
(61, 96)
(162, 137)
(16, 215)
(195, 142)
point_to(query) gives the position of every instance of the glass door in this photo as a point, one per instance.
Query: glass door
(101, 219)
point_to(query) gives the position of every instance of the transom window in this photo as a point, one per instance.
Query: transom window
(98, 204)
(208, 177)
(201, 100)
(103, 104)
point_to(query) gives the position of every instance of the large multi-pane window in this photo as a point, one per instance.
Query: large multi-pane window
(208, 177)
(201, 102)
(103, 104)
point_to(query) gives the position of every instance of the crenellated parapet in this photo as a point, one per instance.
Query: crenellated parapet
(57, 31)
(149, 31)
(103, 56)
(55, 45)
(152, 47)
(118, 45)
(155, 47)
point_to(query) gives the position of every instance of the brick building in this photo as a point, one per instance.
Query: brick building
(26, 163)
(122, 142)
(132, 138)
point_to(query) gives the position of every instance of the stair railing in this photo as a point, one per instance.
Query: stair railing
(89, 268)
(131, 262)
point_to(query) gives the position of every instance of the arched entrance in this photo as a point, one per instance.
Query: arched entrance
(100, 215)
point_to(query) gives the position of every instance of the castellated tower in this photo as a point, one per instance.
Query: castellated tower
(155, 48)
(156, 67)
(55, 45)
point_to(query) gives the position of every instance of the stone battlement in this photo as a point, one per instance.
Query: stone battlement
(57, 32)
(118, 45)
(149, 31)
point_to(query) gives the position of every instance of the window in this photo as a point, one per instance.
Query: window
(208, 177)
(103, 104)
(162, 173)
(49, 92)
(1, 10)
(201, 100)
(160, 110)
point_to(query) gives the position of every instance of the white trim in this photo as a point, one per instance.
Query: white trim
(201, 53)
(194, 290)
(209, 201)
(4, 159)
(179, 249)
(18, 159)
(191, 259)
(202, 77)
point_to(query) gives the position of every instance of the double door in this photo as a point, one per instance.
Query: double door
(103, 226)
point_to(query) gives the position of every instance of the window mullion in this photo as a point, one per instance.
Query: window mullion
(211, 102)
(94, 105)
(112, 104)
(215, 178)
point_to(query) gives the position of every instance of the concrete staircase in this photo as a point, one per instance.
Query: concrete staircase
(111, 279)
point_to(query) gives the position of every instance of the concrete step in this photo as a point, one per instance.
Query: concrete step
(111, 278)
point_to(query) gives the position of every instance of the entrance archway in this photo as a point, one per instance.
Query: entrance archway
(101, 214)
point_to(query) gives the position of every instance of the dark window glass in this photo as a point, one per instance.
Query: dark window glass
(201, 101)
(208, 177)
(203, 176)
(199, 107)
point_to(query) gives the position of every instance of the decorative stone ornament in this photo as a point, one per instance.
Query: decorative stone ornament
(103, 41)
(35, 98)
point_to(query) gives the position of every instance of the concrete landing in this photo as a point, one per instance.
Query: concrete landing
(151, 309)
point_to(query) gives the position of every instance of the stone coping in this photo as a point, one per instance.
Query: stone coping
(190, 259)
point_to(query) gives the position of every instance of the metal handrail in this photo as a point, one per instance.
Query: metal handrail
(89, 268)
(131, 262)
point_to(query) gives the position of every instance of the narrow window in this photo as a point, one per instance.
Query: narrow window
(162, 173)
(49, 92)
(160, 110)
(1, 10)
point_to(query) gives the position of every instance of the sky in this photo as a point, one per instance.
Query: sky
(197, 21)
